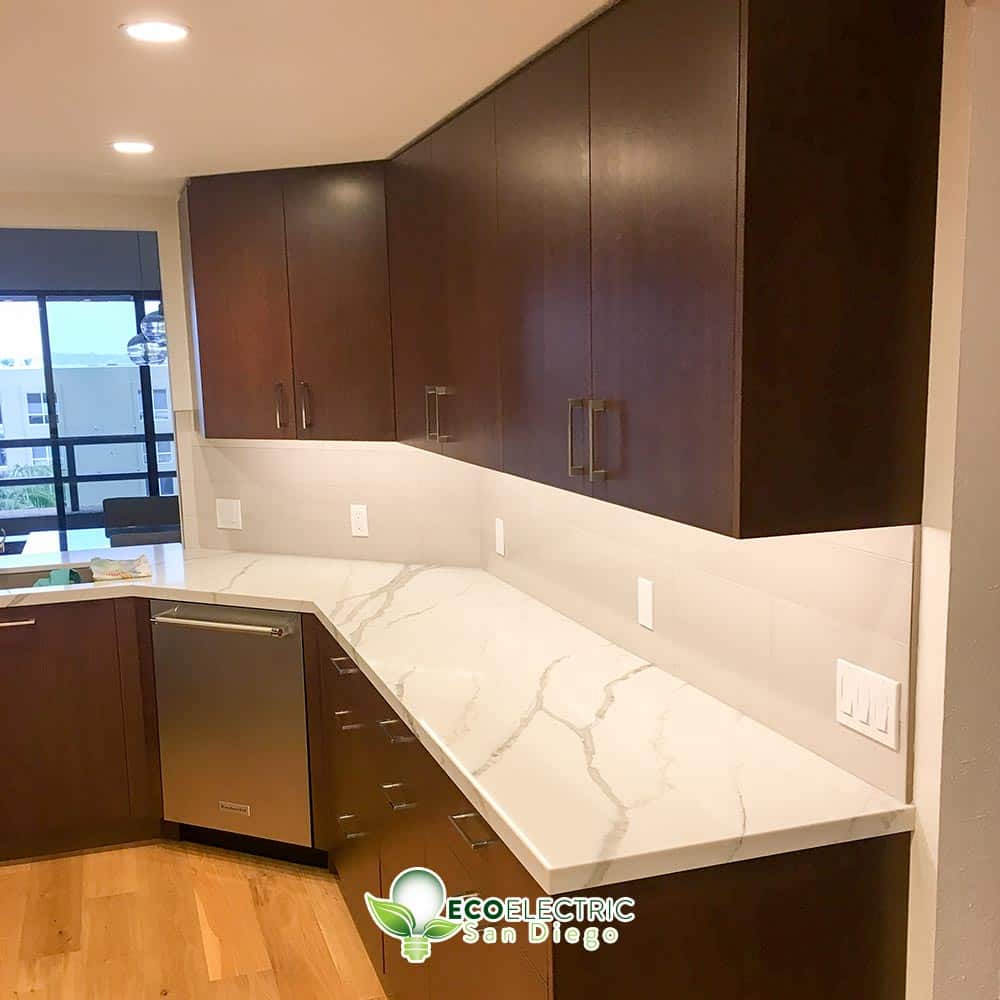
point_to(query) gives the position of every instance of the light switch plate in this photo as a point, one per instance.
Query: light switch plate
(868, 703)
(359, 520)
(644, 603)
(229, 514)
(501, 544)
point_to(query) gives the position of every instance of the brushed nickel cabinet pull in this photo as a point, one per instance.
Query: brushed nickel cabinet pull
(25, 623)
(279, 405)
(393, 735)
(594, 407)
(343, 671)
(430, 392)
(344, 821)
(347, 727)
(574, 469)
(439, 391)
(395, 803)
(306, 406)
(476, 845)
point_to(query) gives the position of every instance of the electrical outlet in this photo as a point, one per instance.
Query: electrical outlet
(359, 520)
(229, 514)
(501, 543)
(868, 703)
(644, 603)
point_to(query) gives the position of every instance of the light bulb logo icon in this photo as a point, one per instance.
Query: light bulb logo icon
(411, 914)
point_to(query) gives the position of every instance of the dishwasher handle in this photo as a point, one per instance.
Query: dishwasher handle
(273, 631)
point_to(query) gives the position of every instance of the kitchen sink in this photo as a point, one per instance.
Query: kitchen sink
(15, 579)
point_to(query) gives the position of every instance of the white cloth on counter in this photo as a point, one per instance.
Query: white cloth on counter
(120, 569)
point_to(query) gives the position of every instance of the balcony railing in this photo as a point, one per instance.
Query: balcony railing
(71, 480)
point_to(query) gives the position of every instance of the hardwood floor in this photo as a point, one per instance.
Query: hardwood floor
(179, 922)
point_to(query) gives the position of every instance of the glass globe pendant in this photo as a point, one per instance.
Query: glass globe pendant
(142, 351)
(154, 327)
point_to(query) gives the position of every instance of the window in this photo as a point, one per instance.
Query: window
(67, 353)
(161, 405)
(38, 407)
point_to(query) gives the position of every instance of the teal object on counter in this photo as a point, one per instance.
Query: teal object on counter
(59, 578)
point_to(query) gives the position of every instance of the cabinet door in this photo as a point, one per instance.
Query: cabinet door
(465, 164)
(543, 193)
(665, 83)
(62, 729)
(237, 233)
(338, 285)
(419, 345)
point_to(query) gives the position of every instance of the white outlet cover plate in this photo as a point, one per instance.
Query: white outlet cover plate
(644, 603)
(501, 544)
(229, 514)
(359, 520)
(868, 703)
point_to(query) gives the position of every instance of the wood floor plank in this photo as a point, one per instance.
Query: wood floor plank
(13, 900)
(341, 937)
(169, 933)
(173, 921)
(112, 956)
(110, 873)
(231, 934)
(302, 964)
(52, 914)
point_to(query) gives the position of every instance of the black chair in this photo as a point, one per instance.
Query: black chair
(142, 520)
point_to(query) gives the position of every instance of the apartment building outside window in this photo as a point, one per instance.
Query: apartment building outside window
(74, 429)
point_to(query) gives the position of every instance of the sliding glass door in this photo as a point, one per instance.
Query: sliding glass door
(80, 419)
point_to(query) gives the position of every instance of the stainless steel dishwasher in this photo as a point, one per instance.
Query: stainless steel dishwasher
(230, 695)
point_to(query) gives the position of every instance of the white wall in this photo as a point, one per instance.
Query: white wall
(967, 946)
(151, 214)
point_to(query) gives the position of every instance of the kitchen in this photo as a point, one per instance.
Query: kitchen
(527, 540)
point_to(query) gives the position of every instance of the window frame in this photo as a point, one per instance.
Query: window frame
(64, 479)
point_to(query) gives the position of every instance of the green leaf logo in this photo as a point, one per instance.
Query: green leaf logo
(440, 929)
(394, 918)
(412, 914)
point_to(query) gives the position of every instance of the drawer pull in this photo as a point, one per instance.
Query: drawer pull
(397, 805)
(457, 822)
(394, 735)
(350, 834)
(343, 671)
(347, 727)
(26, 623)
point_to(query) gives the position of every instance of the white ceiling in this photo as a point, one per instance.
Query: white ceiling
(256, 85)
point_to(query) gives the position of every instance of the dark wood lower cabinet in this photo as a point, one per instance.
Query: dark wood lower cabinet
(79, 760)
(821, 924)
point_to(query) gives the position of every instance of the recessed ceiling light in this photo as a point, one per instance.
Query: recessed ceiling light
(132, 147)
(156, 31)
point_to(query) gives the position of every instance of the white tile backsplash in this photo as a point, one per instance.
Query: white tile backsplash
(759, 624)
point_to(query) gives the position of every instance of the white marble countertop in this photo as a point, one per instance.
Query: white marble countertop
(592, 765)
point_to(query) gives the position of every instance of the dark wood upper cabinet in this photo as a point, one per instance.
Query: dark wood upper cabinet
(292, 303)
(543, 196)
(421, 362)
(445, 289)
(237, 237)
(465, 166)
(763, 189)
(665, 87)
(338, 285)
(682, 262)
